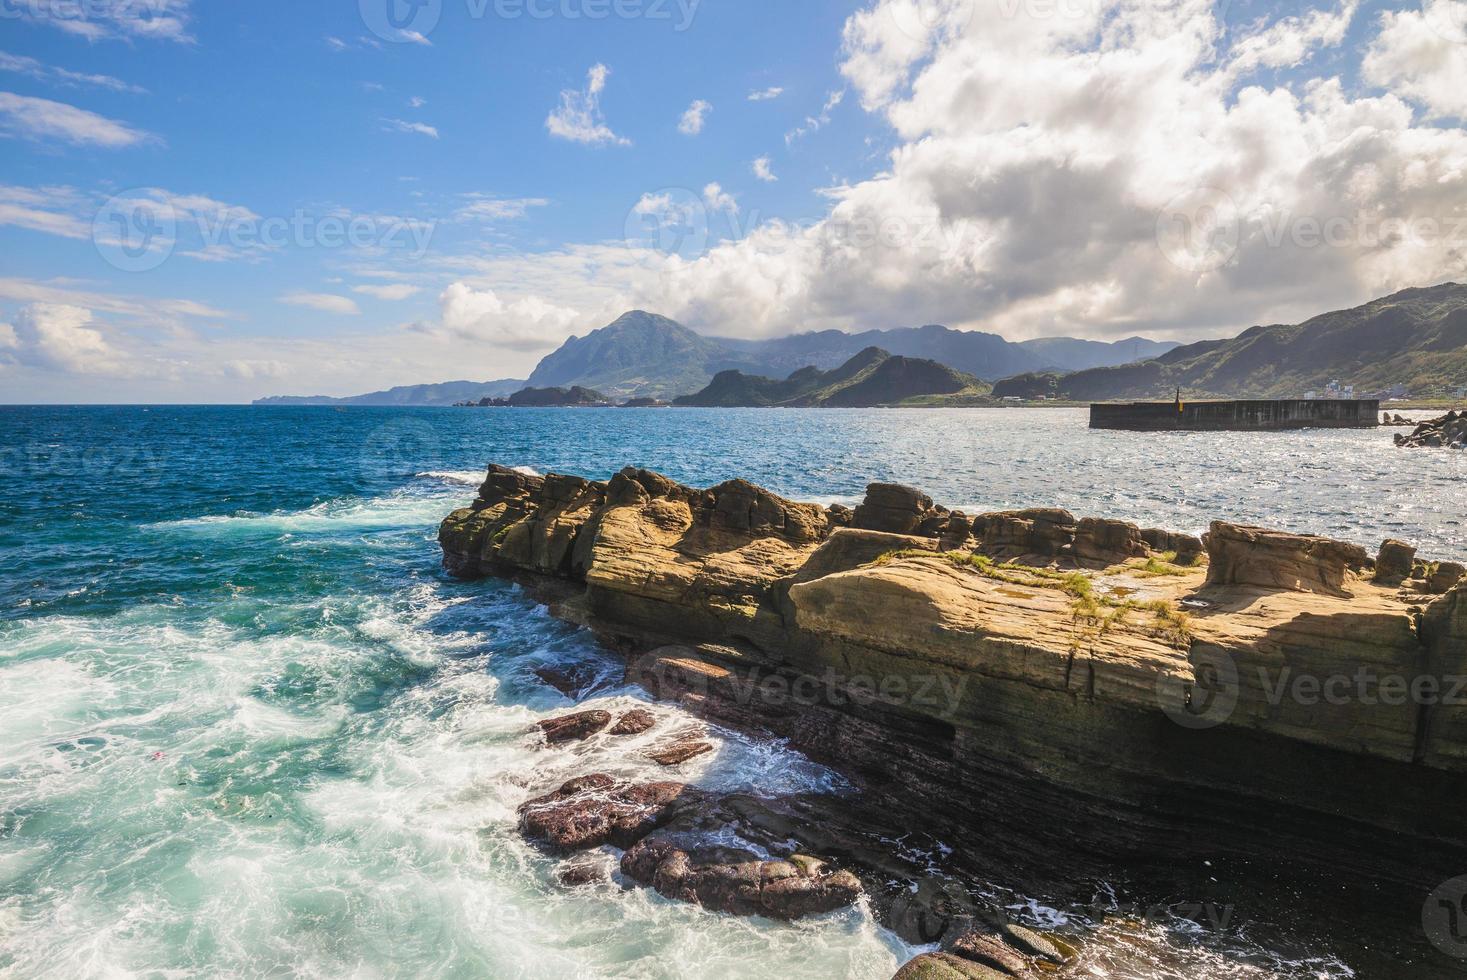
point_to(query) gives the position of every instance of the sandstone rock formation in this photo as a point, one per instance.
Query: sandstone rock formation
(1027, 670)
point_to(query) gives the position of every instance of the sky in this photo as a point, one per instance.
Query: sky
(204, 201)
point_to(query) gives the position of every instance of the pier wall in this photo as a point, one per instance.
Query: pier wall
(1261, 414)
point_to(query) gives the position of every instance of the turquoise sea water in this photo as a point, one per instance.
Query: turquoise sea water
(249, 728)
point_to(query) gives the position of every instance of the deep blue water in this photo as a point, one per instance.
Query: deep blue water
(248, 727)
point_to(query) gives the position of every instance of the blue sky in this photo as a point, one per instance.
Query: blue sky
(512, 178)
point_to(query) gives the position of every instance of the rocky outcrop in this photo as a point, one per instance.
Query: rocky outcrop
(1027, 671)
(574, 728)
(677, 841)
(1448, 431)
(1394, 563)
(1280, 561)
(590, 811)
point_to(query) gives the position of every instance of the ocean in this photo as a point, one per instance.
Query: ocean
(248, 727)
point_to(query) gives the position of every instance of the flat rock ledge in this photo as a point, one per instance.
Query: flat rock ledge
(1060, 677)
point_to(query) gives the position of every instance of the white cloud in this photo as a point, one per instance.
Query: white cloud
(1291, 41)
(64, 338)
(51, 210)
(1041, 163)
(578, 117)
(692, 122)
(484, 208)
(762, 170)
(1422, 55)
(96, 20)
(416, 102)
(717, 199)
(765, 94)
(42, 119)
(63, 76)
(8, 337)
(324, 302)
(525, 324)
(335, 43)
(146, 310)
(403, 126)
(815, 123)
(393, 293)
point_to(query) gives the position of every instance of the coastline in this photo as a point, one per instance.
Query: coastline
(1006, 699)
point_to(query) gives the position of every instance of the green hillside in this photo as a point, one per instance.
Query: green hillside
(1416, 338)
(872, 378)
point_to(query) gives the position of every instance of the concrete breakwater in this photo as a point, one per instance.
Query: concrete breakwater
(1242, 415)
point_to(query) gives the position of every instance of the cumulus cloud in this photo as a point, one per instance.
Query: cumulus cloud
(1102, 173)
(41, 119)
(525, 324)
(763, 171)
(1422, 55)
(58, 337)
(765, 94)
(717, 199)
(692, 122)
(578, 118)
(324, 302)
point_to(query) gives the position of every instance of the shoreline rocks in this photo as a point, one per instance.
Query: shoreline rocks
(1448, 431)
(1026, 673)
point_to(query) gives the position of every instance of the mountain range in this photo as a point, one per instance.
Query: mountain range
(645, 355)
(872, 378)
(1416, 338)
(446, 393)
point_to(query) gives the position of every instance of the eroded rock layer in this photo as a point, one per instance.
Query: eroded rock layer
(1157, 696)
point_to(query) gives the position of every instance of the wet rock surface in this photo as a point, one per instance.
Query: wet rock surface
(1002, 673)
(1446, 432)
(634, 722)
(574, 728)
